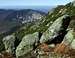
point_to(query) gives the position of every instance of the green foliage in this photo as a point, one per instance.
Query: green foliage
(51, 17)
(44, 24)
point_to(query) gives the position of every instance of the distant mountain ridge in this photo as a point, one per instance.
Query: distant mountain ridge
(38, 8)
(50, 29)
(11, 18)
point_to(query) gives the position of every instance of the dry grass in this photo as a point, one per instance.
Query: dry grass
(6, 55)
(60, 51)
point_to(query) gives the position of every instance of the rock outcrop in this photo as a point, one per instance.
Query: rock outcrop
(9, 43)
(69, 37)
(73, 3)
(56, 29)
(26, 44)
(42, 39)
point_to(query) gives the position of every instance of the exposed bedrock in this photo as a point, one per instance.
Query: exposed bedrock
(56, 31)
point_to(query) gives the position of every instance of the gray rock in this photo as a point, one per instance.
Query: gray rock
(9, 43)
(51, 45)
(73, 44)
(69, 39)
(73, 3)
(26, 44)
(53, 30)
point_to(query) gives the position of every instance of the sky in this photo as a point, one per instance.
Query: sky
(33, 2)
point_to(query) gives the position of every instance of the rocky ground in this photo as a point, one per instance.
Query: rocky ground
(54, 37)
(46, 52)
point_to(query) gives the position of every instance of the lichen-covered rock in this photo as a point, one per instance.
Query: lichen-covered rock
(67, 43)
(55, 28)
(9, 43)
(26, 44)
(73, 3)
(69, 39)
(73, 44)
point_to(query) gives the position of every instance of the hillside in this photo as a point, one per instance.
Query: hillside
(12, 18)
(51, 36)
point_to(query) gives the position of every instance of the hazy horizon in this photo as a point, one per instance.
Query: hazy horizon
(33, 2)
(39, 8)
(24, 7)
(41, 5)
